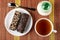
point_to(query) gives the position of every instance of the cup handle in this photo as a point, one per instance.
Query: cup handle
(55, 31)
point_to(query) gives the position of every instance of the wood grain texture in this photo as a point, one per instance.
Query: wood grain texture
(4, 9)
(0, 21)
(57, 19)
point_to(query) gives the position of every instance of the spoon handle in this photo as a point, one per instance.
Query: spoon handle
(28, 8)
(15, 5)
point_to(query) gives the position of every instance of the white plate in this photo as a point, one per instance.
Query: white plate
(8, 20)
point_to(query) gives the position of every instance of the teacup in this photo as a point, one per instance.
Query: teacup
(44, 27)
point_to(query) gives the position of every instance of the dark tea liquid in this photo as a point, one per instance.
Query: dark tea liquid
(43, 27)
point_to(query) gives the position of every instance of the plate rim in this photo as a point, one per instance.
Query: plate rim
(28, 29)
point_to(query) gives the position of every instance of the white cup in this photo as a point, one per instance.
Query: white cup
(52, 27)
(40, 9)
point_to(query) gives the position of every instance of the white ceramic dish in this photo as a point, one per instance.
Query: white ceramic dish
(44, 12)
(8, 20)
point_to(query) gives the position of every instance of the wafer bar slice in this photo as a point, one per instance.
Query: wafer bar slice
(15, 20)
(22, 22)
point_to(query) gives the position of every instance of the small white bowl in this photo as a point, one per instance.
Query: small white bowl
(44, 12)
(8, 20)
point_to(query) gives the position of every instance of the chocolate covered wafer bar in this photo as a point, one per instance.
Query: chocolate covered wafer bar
(22, 22)
(15, 19)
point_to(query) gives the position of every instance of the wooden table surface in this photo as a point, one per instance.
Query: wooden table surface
(54, 17)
